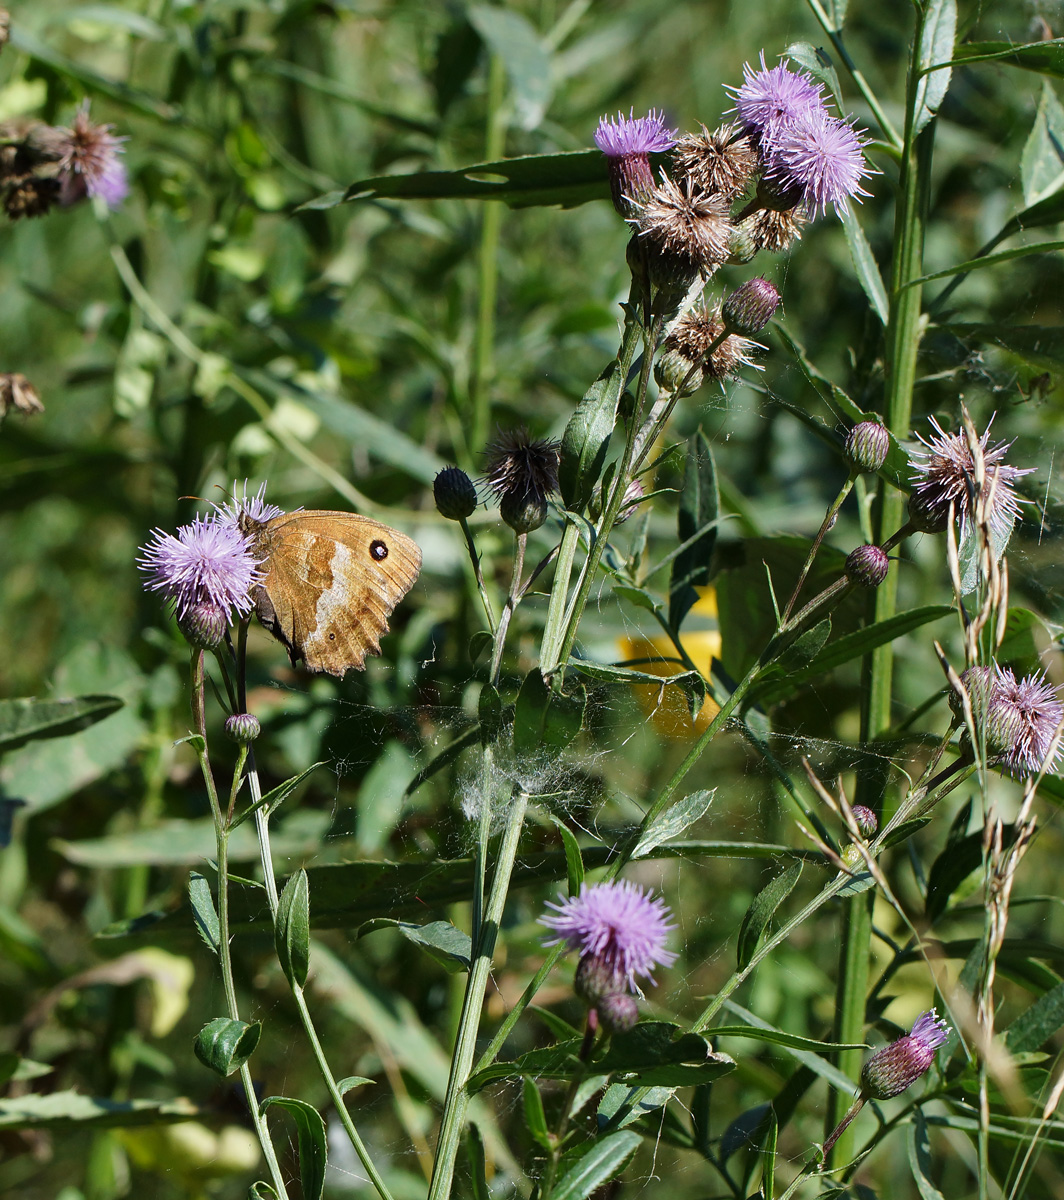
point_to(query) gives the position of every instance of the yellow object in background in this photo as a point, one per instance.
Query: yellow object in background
(700, 639)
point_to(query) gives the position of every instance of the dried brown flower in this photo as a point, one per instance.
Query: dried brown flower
(723, 161)
(16, 392)
(683, 221)
(775, 231)
(688, 345)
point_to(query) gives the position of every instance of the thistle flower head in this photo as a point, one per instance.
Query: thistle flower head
(521, 468)
(618, 925)
(865, 819)
(87, 159)
(722, 162)
(867, 566)
(867, 446)
(688, 346)
(627, 143)
(945, 473)
(820, 160)
(1022, 718)
(898, 1066)
(207, 563)
(681, 220)
(245, 507)
(775, 231)
(772, 98)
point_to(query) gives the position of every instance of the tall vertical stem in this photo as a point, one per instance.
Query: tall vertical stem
(902, 346)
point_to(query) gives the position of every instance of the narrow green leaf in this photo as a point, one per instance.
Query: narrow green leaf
(349, 1082)
(224, 1045)
(768, 1158)
(818, 64)
(919, 1149)
(761, 911)
(764, 1033)
(990, 260)
(442, 941)
(806, 648)
(622, 1105)
(567, 179)
(1040, 345)
(292, 929)
(71, 1110)
(203, 911)
(261, 1191)
(1042, 161)
(673, 821)
(574, 863)
(864, 263)
(527, 60)
(27, 719)
(597, 1166)
(586, 439)
(636, 596)
(275, 797)
(478, 1169)
(699, 510)
(1047, 58)
(535, 1117)
(1037, 1024)
(310, 1137)
(937, 36)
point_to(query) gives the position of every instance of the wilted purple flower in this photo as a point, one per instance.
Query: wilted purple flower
(208, 562)
(898, 1066)
(771, 99)
(87, 156)
(1022, 718)
(945, 472)
(619, 925)
(819, 159)
(627, 143)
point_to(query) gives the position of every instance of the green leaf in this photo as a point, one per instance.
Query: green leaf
(26, 720)
(1047, 58)
(777, 1037)
(478, 1168)
(310, 1136)
(699, 510)
(919, 1149)
(440, 940)
(67, 1110)
(544, 718)
(535, 1117)
(1042, 162)
(864, 263)
(574, 863)
(203, 911)
(622, 1105)
(818, 64)
(349, 1082)
(1037, 1024)
(567, 179)
(1025, 635)
(635, 595)
(381, 796)
(526, 59)
(598, 1165)
(261, 1191)
(587, 439)
(990, 260)
(292, 929)
(937, 35)
(805, 648)
(673, 821)
(768, 1158)
(224, 1044)
(761, 911)
(490, 714)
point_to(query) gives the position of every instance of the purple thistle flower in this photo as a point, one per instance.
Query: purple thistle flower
(771, 99)
(1022, 719)
(898, 1066)
(87, 156)
(207, 563)
(946, 472)
(619, 925)
(627, 143)
(634, 135)
(243, 505)
(819, 159)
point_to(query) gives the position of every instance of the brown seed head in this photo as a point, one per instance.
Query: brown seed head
(722, 162)
(683, 221)
(16, 392)
(31, 196)
(688, 345)
(776, 231)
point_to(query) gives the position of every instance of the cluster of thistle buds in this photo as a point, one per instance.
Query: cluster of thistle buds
(44, 166)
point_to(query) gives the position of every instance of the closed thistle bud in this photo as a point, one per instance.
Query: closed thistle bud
(867, 566)
(617, 1013)
(865, 820)
(742, 245)
(242, 728)
(454, 493)
(523, 512)
(749, 308)
(898, 1066)
(867, 445)
(204, 624)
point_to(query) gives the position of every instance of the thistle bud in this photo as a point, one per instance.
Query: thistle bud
(523, 512)
(867, 445)
(742, 245)
(898, 1066)
(617, 1013)
(242, 728)
(867, 566)
(749, 308)
(204, 624)
(595, 979)
(865, 820)
(778, 195)
(454, 493)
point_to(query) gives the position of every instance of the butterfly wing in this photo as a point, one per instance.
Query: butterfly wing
(332, 580)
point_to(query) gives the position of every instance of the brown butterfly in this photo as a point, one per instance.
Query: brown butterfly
(330, 583)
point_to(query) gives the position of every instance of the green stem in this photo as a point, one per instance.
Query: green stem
(488, 267)
(221, 837)
(828, 522)
(478, 574)
(512, 601)
(456, 1102)
(902, 347)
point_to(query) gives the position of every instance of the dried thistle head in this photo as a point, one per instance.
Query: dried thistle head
(681, 220)
(521, 468)
(723, 161)
(16, 392)
(688, 347)
(31, 196)
(776, 231)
